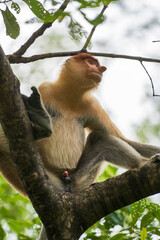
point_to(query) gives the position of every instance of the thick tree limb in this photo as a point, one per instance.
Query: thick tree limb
(115, 193)
(23, 148)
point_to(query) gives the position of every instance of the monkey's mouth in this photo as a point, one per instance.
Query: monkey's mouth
(96, 76)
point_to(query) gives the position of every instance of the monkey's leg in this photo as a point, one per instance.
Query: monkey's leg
(101, 147)
(8, 167)
(38, 115)
(145, 150)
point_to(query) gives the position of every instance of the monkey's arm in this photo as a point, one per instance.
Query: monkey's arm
(145, 150)
(101, 120)
(38, 115)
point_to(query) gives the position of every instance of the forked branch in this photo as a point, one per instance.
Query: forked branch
(40, 31)
(93, 29)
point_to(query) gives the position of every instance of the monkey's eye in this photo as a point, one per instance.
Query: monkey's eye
(90, 62)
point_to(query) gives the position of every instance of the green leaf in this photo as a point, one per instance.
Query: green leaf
(137, 209)
(110, 171)
(89, 3)
(12, 27)
(147, 219)
(115, 218)
(2, 233)
(54, 2)
(153, 230)
(16, 7)
(93, 3)
(144, 234)
(38, 9)
(121, 236)
(107, 2)
(98, 20)
(76, 30)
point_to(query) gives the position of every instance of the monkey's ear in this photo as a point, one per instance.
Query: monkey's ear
(40, 119)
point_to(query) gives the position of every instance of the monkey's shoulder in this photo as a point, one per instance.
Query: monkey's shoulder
(94, 114)
(46, 90)
(53, 111)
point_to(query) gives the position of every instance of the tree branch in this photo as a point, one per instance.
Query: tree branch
(152, 85)
(18, 59)
(93, 30)
(5, 1)
(40, 31)
(155, 41)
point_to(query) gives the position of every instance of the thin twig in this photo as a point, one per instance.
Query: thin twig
(156, 41)
(88, 40)
(19, 59)
(153, 91)
(5, 1)
(40, 31)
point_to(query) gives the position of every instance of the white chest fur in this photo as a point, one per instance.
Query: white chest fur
(63, 149)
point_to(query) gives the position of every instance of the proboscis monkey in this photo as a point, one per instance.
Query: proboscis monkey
(71, 161)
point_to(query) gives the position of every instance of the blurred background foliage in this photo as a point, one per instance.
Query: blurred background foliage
(18, 220)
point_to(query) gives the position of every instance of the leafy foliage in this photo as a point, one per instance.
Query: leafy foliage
(76, 30)
(16, 215)
(16, 7)
(38, 9)
(42, 15)
(140, 220)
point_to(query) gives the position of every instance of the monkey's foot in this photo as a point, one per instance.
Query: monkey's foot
(38, 116)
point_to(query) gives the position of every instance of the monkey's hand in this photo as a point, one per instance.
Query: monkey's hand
(38, 115)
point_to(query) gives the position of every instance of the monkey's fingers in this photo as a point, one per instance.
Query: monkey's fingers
(35, 98)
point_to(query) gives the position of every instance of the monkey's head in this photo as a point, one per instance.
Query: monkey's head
(82, 71)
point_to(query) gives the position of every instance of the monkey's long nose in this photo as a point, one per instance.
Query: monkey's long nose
(102, 69)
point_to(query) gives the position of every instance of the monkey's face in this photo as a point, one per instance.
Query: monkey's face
(87, 71)
(82, 72)
(93, 70)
